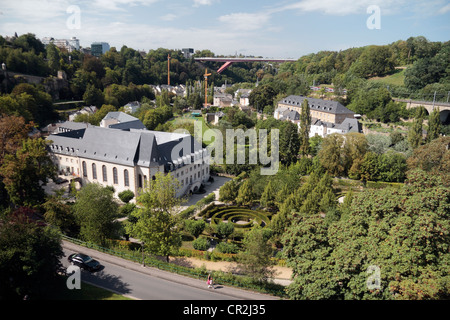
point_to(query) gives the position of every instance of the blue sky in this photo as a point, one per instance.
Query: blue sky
(278, 29)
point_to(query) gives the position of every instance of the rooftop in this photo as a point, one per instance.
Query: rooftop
(317, 104)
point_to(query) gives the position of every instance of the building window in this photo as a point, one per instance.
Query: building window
(105, 176)
(140, 181)
(84, 169)
(126, 178)
(115, 178)
(94, 171)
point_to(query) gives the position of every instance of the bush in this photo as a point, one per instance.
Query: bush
(201, 244)
(126, 209)
(225, 247)
(126, 196)
(194, 227)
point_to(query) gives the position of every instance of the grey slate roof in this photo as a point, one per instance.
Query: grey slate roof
(133, 147)
(119, 116)
(349, 124)
(317, 104)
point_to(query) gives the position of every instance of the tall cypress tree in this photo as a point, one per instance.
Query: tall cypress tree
(415, 132)
(305, 127)
(434, 124)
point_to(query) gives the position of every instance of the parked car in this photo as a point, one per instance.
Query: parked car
(60, 180)
(84, 261)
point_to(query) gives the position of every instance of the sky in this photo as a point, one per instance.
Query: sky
(271, 29)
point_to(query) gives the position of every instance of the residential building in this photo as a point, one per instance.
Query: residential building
(322, 128)
(121, 120)
(325, 110)
(127, 159)
(85, 110)
(132, 107)
(69, 45)
(99, 48)
(222, 100)
(327, 117)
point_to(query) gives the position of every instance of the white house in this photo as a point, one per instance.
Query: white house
(126, 158)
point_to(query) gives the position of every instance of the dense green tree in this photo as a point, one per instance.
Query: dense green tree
(269, 197)
(229, 191)
(415, 134)
(157, 218)
(30, 256)
(262, 96)
(95, 211)
(26, 172)
(60, 215)
(434, 158)
(255, 259)
(93, 96)
(374, 61)
(195, 227)
(434, 125)
(289, 143)
(245, 195)
(331, 156)
(305, 127)
(404, 233)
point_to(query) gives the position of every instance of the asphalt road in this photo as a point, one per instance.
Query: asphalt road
(145, 283)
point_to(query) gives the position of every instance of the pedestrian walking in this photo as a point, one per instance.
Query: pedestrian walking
(210, 281)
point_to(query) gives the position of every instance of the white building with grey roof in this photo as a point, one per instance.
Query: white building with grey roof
(327, 116)
(126, 159)
(325, 110)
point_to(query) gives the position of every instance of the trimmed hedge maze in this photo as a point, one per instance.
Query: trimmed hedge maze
(241, 218)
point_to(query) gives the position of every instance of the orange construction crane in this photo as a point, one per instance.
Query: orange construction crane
(206, 75)
(168, 69)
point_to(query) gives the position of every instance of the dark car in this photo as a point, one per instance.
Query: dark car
(60, 180)
(84, 261)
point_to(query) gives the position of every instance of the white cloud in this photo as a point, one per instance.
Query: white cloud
(33, 10)
(116, 5)
(245, 21)
(347, 7)
(168, 17)
(198, 3)
(444, 10)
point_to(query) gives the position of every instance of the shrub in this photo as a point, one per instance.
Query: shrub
(126, 209)
(201, 244)
(225, 247)
(195, 227)
(126, 196)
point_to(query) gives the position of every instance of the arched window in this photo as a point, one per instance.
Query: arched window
(115, 178)
(139, 181)
(94, 171)
(84, 169)
(126, 178)
(105, 176)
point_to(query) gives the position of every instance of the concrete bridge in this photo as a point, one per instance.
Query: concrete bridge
(444, 107)
(229, 61)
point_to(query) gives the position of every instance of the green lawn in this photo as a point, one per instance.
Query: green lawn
(397, 78)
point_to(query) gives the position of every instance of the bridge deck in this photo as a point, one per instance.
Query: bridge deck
(221, 59)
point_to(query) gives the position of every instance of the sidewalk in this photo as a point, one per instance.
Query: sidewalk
(198, 283)
(282, 274)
